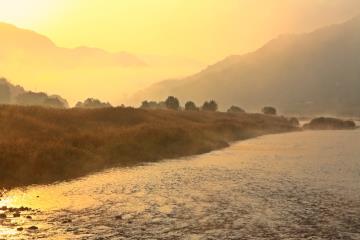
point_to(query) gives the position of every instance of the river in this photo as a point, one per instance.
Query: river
(302, 185)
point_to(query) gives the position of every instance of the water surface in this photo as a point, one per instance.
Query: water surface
(303, 185)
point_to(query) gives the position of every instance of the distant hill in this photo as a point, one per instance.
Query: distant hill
(27, 45)
(36, 62)
(317, 72)
(11, 94)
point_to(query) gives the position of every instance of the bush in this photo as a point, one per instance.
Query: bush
(190, 106)
(5, 94)
(235, 109)
(172, 103)
(269, 111)
(92, 103)
(210, 106)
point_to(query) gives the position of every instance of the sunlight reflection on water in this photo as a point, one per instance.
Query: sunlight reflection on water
(297, 185)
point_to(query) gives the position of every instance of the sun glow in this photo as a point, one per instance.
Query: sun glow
(28, 13)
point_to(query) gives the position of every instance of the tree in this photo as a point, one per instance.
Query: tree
(152, 105)
(172, 103)
(190, 106)
(145, 105)
(53, 102)
(211, 106)
(5, 94)
(269, 110)
(92, 103)
(235, 109)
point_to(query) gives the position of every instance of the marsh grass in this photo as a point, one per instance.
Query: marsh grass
(43, 145)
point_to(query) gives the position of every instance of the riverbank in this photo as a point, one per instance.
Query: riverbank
(41, 145)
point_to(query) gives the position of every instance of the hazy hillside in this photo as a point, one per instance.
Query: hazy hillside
(15, 94)
(35, 62)
(25, 45)
(309, 73)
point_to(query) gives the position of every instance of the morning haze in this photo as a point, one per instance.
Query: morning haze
(194, 120)
(141, 28)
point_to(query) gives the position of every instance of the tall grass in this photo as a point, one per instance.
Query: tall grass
(41, 145)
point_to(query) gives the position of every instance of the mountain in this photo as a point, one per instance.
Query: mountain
(24, 45)
(36, 62)
(317, 72)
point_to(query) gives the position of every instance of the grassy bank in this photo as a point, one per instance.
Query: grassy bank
(40, 145)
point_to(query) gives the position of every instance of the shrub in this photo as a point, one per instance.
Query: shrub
(172, 103)
(235, 109)
(269, 110)
(210, 106)
(92, 103)
(190, 106)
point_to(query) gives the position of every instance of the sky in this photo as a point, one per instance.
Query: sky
(206, 30)
(180, 37)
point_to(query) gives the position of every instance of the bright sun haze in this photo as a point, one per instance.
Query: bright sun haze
(174, 38)
(205, 29)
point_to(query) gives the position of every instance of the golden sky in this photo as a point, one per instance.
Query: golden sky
(180, 37)
(206, 30)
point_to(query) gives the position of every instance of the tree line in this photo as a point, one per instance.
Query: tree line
(173, 103)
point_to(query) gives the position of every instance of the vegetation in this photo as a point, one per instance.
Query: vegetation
(172, 103)
(235, 109)
(211, 106)
(326, 123)
(5, 94)
(41, 145)
(190, 106)
(92, 103)
(269, 111)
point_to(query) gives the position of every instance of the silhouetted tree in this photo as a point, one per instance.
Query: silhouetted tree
(269, 110)
(172, 103)
(5, 94)
(235, 109)
(190, 106)
(152, 105)
(92, 103)
(31, 98)
(53, 102)
(294, 121)
(211, 106)
(145, 105)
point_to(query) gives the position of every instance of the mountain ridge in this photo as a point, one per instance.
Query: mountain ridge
(310, 73)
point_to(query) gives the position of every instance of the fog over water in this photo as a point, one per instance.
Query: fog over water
(303, 185)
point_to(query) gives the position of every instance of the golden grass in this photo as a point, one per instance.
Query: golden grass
(42, 145)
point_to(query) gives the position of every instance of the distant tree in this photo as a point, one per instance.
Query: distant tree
(235, 109)
(211, 106)
(5, 94)
(54, 102)
(294, 121)
(269, 110)
(172, 103)
(31, 98)
(145, 105)
(190, 106)
(152, 105)
(92, 103)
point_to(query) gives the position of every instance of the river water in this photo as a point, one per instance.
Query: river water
(302, 185)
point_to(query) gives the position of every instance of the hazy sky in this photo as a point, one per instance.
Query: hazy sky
(206, 30)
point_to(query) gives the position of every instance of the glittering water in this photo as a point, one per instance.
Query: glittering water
(303, 185)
